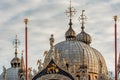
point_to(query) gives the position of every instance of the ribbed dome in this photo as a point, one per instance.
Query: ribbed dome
(84, 37)
(72, 51)
(12, 74)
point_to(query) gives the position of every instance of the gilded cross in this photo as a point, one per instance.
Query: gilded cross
(71, 11)
(82, 18)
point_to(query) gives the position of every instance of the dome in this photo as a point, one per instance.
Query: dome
(12, 74)
(73, 52)
(15, 62)
(70, 34)
(84, 37)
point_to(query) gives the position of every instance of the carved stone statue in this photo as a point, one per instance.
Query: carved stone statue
(34, 71)
(46, 53)
(4, 73)
(51, 41)
(30, 74)
(39, 63)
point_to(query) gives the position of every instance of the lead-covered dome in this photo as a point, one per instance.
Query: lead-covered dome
(73, 52)
(12, 74)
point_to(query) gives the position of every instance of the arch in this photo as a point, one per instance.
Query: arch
(52, 68)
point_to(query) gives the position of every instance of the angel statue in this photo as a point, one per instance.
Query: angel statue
(4, 73)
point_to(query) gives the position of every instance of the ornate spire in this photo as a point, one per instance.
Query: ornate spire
(22, 63)
(16, 42)
(82, 19)
(70, 34)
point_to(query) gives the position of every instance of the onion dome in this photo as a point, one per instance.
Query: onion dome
(15, 62)
(83, 36)
(70, 34)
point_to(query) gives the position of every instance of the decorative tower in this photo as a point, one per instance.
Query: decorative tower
(83, 36)
(15, 62)
(70, 34)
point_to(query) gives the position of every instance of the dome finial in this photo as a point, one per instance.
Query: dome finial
(16, 42)
(82, 19)
(70, 34)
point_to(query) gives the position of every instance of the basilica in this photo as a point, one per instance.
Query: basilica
(71, 59)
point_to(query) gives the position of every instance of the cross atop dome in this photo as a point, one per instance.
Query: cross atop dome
(82, 19)
(70, 34)
(16, 42)
(71, 11)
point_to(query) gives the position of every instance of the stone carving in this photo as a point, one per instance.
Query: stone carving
(52, 68)
(39, 63)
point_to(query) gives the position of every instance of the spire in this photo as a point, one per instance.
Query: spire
(22, 67)
(70, 34)
(16, 42)
(82, 19)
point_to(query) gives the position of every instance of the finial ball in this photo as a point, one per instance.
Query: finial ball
(26, 21)
(115, 18)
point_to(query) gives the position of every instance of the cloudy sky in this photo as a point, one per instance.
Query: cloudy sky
(48, 17)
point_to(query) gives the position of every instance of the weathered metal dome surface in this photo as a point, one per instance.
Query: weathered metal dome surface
(73, 52)
(12, 74)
